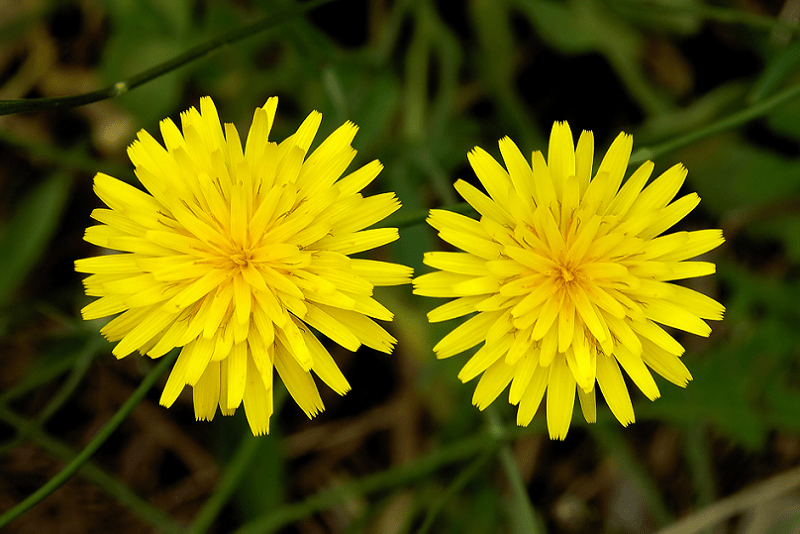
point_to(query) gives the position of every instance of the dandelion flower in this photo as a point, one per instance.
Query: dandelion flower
(234, 253)
(568, 278)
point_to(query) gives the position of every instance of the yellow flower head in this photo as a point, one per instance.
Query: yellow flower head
(567, 277)
(234, 253)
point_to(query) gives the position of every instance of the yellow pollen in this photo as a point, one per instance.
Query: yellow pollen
(240, 258)
(566, 274)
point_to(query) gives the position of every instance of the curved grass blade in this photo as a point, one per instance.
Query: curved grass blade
(65, 474)
(28, 105)
(29, 231)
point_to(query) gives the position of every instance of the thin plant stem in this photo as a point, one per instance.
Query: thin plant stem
(698, 458)
(79, 369)
(382, 51)
(457, 485)
(234, 472)
(70, 469)
(115, 488)
(82, 363)
(719, 14)
(744, 500)
(448, 51)
(441, 183)
(611, 441)
(417, 64)
(394, 477)
(732, 121)
(236, 469)
(27, 105)
(43, 376)
(492, 21)
(526, 517)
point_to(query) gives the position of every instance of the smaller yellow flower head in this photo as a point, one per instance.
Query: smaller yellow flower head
(567, 277)
(234, 253)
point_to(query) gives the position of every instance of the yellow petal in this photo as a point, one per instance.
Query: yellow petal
(491, 175)
(636, 369)
(381, 273)
(670, 215)
(588, 405)
(478, 363)
(676, 316)
(560, 398)
(584, 156)
(699, 242)
(664, 363)
(532, 397)
(482, 204)
(492, 383)
(613, 387)
(324, 366)
(522, 376)
(659, 193)
(206, 393)
(519, 171)
(630, 191)
(147, 329)
(614, 163)
(561, 156)
(467, 335)
(545, 193)
(546, 318)
(360, 178)
(299, 383)
(353, 243)
(200, 352)
(648, 330)
(176, 380)
(257, 401)
(237, 375)
(332, 328)
(453, 309)
(688, 269)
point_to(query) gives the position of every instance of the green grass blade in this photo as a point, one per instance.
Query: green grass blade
(27, 105)
(28, 233)
(65, 474)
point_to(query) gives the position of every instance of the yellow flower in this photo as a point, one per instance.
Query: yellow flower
(234, 253)
(568, 277)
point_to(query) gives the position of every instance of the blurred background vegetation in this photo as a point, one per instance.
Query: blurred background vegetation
(426, 81)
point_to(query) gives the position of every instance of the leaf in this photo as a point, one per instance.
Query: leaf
(555, 24)
(743, 387)
(783, 65)
(786, 120)
(263, 486)
(785, 228)
(28, 232)
(718, 394)
(730, 174)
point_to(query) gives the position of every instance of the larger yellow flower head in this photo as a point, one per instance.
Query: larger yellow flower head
(567, 278)
(234, 252)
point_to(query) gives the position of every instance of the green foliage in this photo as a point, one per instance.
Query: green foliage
(732, 175)
(27, 234)
(144, 34)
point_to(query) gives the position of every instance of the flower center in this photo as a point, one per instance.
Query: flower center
(566, 278)
(567, 275)
(241, 258)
